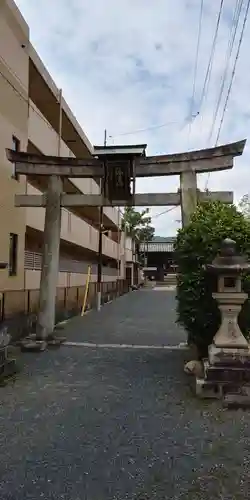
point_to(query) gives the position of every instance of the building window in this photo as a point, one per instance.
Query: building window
(15, 147)
(13, 254)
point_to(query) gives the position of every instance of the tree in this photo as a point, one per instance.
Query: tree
(146, 233)
(197, 245)
(137, 224)
(244, 205)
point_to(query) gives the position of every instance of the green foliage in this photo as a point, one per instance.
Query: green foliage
(197, 245)
(244, 205)
(137, 224)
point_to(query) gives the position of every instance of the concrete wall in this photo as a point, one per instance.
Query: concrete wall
(14, 64)
(32, 279)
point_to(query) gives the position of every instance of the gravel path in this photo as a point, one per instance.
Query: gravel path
(103, 424)
(145, 317)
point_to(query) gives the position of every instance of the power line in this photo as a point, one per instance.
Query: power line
(211, 58)
(138, 131)
(234, 27)
(195, 67)
(234, 70)
(197, 56)
(164, 212)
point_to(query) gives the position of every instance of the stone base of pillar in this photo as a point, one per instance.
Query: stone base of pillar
(33, 345)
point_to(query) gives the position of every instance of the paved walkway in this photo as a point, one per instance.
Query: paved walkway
(119, 423)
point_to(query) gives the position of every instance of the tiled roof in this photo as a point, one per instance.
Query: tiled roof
(163, 239)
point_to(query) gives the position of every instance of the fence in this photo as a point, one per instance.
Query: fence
(26, 301)
(18, 308)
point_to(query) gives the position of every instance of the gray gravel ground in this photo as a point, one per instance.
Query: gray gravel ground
(145, 317)
(102, 424)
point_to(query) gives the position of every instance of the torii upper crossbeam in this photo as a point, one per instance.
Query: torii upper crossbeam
(204, 160)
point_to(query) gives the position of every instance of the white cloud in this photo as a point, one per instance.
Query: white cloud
(128, 65)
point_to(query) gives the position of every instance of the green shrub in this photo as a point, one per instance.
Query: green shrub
(197, 245)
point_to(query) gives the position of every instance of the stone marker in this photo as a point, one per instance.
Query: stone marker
(7, 365)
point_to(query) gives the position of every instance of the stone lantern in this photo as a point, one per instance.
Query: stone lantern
(228, 267)
(227, 369)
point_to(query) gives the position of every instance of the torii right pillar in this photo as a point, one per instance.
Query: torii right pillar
(188, 191)
(210, 160)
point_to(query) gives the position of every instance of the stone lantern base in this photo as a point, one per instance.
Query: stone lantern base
(227, 368)
(226, 376)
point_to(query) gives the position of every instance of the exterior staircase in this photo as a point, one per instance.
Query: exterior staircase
(170, 280)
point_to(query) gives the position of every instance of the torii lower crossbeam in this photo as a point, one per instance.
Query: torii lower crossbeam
(141, 200)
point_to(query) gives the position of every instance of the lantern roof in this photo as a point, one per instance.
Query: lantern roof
(228, 260)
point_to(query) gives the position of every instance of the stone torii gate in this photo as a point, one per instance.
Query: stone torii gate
(117, 166)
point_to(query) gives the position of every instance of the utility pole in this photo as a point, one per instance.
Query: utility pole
(118, 244)
(99, 263)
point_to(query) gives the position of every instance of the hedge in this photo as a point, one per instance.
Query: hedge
(196, 245)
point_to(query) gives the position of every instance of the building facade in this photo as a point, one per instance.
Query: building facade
(30, 107)
(157, 257)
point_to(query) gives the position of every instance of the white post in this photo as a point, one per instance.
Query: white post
(100, 237)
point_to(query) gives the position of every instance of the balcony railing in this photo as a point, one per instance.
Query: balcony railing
(33, 261)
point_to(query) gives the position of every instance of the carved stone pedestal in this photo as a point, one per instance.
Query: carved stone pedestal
(229, 334)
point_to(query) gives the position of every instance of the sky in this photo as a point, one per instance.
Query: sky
(128, 65)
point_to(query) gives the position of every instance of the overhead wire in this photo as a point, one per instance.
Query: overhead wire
(195, 68)
(164, 212)
(230, 48)
(207, 79)
(233, 32)
(153, 127)
(211, 59)
(138, 131)
(233, 71)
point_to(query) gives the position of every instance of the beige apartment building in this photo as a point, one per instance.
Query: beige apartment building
(29, 121)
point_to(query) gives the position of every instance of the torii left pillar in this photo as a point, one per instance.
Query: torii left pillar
(50, 260)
